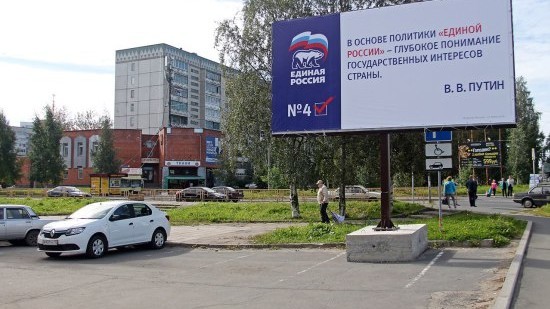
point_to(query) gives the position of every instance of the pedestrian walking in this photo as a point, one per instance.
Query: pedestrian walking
(504, 187)
(494, 187)
(471, 185)
(450, 190)
(511, 184)
(322, 198)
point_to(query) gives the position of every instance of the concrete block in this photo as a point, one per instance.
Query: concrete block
(404, 244)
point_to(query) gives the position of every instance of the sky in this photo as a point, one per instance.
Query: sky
(64, 50)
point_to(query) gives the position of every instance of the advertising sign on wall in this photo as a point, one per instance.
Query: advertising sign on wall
(212, 149)
(479, 154)
(435, 64)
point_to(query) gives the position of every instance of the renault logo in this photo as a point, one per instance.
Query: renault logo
(52, 233)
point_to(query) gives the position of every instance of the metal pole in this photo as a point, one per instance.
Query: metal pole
(412, 188)
(385, 223)
(429, 189)
(439, 190)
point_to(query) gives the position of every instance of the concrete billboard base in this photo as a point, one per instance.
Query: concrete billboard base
(402, 245)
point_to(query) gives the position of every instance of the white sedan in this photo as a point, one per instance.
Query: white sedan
(95, 228)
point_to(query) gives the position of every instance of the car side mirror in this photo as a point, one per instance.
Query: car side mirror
(114, 218)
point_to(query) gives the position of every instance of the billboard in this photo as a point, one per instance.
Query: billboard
(212, 149)
(479, 154)
(435, 64)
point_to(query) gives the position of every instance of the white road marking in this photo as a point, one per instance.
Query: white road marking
(227, 261)
(424, 271)
(314, 266)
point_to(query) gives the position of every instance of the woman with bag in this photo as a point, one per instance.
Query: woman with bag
(494, 186)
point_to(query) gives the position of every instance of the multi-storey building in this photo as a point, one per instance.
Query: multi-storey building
(22, 138)
(147, 76)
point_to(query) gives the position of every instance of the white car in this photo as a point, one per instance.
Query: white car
(95, 228)
(19, 224)
(356, 192)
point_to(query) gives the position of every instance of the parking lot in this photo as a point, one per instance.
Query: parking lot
(177, 277)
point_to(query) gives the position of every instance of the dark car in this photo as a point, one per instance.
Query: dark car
(232, 193)
(199, 194)
(539, 196)
(67, 191)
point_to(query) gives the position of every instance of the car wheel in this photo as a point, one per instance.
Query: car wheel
(97, 247)
(235, 200)
(53, 254)
(527, 203)
(158, 240)
(31, 238)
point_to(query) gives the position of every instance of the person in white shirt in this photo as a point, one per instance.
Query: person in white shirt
(510, 186)
(322, 198)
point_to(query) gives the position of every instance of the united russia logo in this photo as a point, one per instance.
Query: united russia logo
(308, 52)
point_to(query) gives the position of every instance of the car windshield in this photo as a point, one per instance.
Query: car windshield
(92, 211)
(209, 190)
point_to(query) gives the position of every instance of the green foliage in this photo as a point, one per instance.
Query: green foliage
(52, 206)
(459, 227)
(278, 212)
(104, 157)
(47, 164)
(9, 166)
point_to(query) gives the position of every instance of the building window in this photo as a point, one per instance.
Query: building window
(180, 79)
(79, 149)
(66, 174)
(65, 150)
(212, 88)
(213, 76)
(132, 93)
(133, 80)
(194, 90)
(95, 146)
(132, 106)
(131, 121)
(80, 172)
(133, 66)
(194, 84)
(194, 71)
(179, 106)
(194, 77)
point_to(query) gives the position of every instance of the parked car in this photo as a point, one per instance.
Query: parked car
(97, 227)
(231, 193)
(356, 192)
(19, 224)
(199, 194)
(67, 191)
(538, 195)
(251, 186)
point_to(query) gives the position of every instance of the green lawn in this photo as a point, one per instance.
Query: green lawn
(464, 226)
(53, 205)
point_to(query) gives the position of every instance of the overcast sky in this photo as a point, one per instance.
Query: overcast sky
(67, 47)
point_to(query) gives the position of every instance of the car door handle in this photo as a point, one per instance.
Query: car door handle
(27, 221)
(151, 221)
(131, 223)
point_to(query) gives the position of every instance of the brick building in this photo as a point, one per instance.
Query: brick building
(175, 158)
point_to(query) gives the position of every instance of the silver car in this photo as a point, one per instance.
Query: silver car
(19, 224)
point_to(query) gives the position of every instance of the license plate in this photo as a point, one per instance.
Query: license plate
(50, 242)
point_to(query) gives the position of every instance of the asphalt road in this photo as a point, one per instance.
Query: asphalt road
(205, 278)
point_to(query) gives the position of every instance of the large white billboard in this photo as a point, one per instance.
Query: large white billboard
(431, 64)
(434, 64)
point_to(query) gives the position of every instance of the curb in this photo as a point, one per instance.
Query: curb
(506, 294)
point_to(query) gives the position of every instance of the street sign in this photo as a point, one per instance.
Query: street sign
(438, 136)
(439, 150)
(437, 164)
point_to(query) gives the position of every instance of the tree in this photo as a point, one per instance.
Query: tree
(104, 157)
(87, 120)
(248, 50)
(9, 167)
(47, 164)
(525, 136)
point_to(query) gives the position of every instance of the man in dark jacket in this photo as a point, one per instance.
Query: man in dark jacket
(471, 184)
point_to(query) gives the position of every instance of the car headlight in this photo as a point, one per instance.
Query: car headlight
(74, 231)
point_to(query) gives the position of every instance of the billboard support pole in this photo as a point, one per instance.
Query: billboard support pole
(385, 223)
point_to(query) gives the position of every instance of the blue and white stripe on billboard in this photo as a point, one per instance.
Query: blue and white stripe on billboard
(308, 69)
(432, 64)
